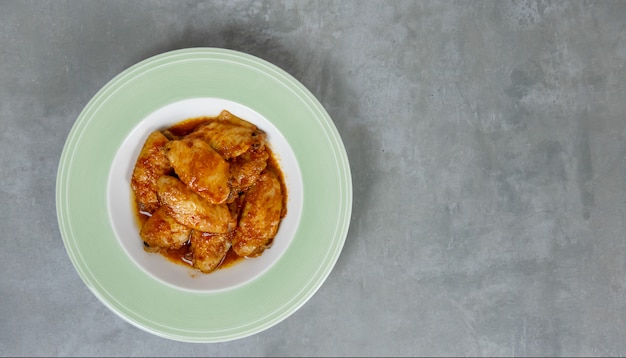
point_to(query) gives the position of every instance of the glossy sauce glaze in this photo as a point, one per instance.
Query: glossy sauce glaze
(182, 256)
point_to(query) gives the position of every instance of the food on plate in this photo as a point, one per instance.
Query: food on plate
(228, 139)
(192, 210)
(259, 217)
(208, 250)
(200, 167)
(151, 164)
(161, 231)
(208, 190)
(246, 168)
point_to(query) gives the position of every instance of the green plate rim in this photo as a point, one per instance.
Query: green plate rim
(327, 202)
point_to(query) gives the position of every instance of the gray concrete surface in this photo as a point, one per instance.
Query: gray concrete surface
(487, 146)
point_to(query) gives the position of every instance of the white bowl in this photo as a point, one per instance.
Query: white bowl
(123, 219)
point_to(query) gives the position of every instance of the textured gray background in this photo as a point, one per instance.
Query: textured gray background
(487, 146)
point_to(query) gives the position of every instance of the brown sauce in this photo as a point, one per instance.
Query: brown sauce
(182, 256)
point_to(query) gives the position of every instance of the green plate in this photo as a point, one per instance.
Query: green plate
(84, 205)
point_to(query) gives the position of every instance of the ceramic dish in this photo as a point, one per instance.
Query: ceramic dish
(94, 199)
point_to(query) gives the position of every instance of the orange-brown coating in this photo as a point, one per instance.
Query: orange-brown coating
(200, 167)
(226, 116)
(227, 139)
(213, 189)
(190, 209)
(208, 250)
(161, 231)
(246, 169)
(260, 216)
(228, 134)
(151, 164)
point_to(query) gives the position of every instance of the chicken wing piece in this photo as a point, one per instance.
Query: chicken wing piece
(260, 216)
(200, 167)
(230, 138)
(246, 169)
(161, 231)
(226, 116)
(208, 250)
(151, 164)
(190, 209)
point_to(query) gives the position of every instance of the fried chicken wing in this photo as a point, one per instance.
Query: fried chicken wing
(200, 167)
(210, 185)
(226, 116)
(151, 164)
(208, 250)
(190, 209)
(161, 231)
(230, 136)
(260, 216)
(246, 169)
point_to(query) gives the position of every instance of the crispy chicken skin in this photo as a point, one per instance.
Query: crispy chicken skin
(226, 116)
(211, 189)
(200, 167)
(192, 210)
(208, 250)
(151, 164)
(227, 139)
(246, 169)
(161, 231)
(260, 216)
(229, 135)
